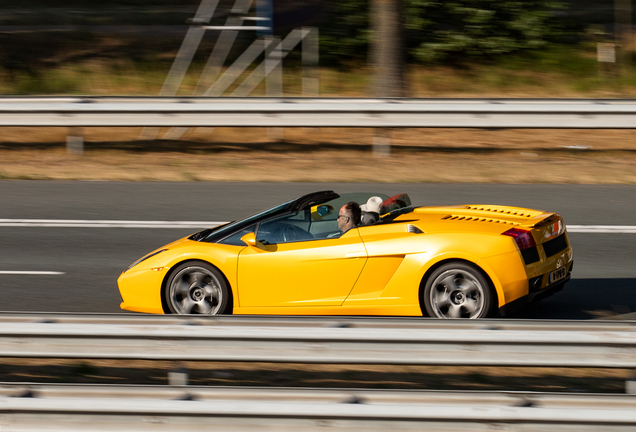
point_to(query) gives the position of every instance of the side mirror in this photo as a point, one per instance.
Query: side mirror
(250, 239)
(319, 211)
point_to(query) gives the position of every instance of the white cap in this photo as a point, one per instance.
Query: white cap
(373, 204)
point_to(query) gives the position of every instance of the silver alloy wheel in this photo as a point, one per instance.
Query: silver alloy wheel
(457, 293)
(195, 290)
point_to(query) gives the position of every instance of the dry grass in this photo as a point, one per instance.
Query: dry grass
(344, 166)
(120, 76)
(301, 375)
(324, 154)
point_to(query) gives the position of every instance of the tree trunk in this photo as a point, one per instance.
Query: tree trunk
(387, 52)
(623, 32)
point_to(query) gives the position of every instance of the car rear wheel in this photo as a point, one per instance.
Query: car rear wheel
(197, 288)
(458, 290)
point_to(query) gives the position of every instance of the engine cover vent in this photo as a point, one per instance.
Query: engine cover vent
(477, 219)
(505, 210)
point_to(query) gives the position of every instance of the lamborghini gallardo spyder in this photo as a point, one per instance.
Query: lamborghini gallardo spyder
(457, 261)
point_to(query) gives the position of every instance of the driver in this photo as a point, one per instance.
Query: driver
(349, 216)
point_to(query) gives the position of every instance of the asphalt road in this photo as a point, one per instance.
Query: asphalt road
(91, 259)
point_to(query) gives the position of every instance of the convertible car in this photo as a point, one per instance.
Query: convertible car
(464, 261)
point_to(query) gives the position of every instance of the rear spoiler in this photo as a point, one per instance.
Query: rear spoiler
(553, 218)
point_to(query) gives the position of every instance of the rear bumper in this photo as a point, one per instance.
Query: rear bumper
(535, 296)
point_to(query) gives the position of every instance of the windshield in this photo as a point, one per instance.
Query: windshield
(223, 230)
(307, 202)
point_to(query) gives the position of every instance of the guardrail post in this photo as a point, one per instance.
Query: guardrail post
(630, 385)
(75, 141)
(382, 143)
(178, 377)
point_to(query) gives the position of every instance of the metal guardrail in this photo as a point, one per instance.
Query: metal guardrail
(322, 112)
(331, 340)
(158, 408)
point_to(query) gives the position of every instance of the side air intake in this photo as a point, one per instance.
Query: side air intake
(413, 229)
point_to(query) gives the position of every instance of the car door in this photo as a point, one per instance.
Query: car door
(290, 267)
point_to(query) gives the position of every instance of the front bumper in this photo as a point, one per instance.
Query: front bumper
(141, 290)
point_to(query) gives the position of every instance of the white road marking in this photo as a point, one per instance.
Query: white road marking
(12, 272)
(606, 229)
(63, 223)
(60, 223)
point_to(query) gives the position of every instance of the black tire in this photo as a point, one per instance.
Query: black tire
(458, 290)
(197, 287)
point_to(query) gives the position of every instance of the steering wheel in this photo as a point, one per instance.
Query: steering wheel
(293, 233)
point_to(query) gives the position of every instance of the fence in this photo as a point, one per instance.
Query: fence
(143, 408)
(323, 112)
(604, 344)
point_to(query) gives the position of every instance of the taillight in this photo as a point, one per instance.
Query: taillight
(522, 237)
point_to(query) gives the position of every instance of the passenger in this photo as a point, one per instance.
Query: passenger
(371, 211)
(349, 216)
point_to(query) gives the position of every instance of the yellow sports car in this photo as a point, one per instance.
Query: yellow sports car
(301, 258)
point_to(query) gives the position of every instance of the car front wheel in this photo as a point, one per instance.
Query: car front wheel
(197, 288)
(458, 290)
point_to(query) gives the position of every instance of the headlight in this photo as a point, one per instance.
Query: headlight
(145, 258)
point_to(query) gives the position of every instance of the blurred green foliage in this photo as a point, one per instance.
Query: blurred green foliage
(540, 47)
(450, 31)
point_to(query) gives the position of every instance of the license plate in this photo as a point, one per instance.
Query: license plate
(557, 274)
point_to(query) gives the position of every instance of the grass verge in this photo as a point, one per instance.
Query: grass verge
(333, 376)
(323, 154)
